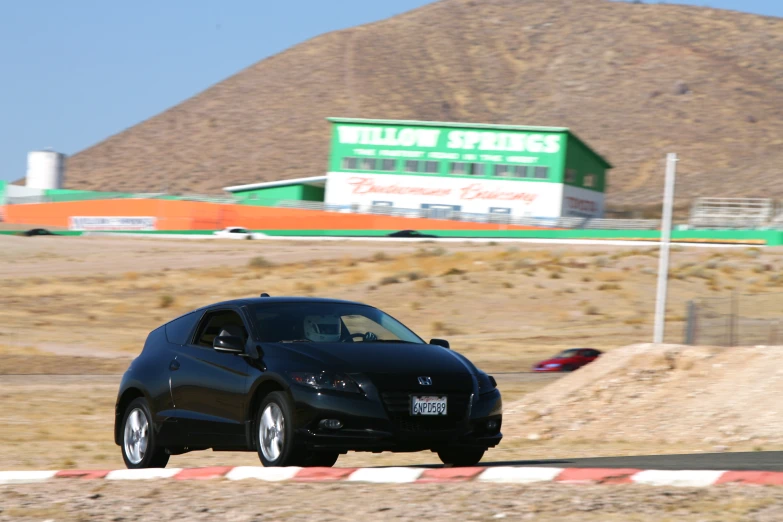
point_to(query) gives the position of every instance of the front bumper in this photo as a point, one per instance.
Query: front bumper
(369, 426)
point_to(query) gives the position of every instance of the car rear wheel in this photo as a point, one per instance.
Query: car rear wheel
(460, 456)
(275, 430)
(139, 449)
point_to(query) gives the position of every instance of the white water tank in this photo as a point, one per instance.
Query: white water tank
(45, 169)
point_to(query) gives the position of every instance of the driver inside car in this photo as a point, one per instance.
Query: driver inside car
(330, 329)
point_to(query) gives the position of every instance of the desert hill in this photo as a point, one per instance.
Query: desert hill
(634, 80)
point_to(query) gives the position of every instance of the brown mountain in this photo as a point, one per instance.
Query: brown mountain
(635, 81)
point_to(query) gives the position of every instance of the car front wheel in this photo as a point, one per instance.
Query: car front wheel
(460, 456)
(274, 433)
(139, 449)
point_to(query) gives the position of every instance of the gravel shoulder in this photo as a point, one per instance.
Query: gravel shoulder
(72, 500)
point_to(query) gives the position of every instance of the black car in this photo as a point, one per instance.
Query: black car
(37, 232)
(300, 381)
(410, 233)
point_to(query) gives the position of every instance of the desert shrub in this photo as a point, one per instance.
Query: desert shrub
(555, 275)
(380, 256)
(431, 252)
(453, 271)
(592, 310)
(260, 262)
(389, 280)
(609, 286)
(506, 284)
(165, 301)
(414, 276)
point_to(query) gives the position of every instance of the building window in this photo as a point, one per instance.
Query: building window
(503, 171)
(458, 168)
(476, 169)
(520, 171)
(350, 163)
(367, 164)
(541, 172)
(570, 176)
(430, 167)
(589, 180)
(388, 165)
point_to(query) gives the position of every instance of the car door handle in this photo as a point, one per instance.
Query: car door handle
(174, 365)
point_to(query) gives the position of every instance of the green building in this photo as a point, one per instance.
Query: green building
(465, 167)
(474, 168)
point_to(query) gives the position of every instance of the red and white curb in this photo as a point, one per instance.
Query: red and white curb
(499, 475)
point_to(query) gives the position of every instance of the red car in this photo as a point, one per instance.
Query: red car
(568, 360)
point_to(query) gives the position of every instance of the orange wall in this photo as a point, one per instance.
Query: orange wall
(193, 215)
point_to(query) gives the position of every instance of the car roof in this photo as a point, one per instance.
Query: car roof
(278, 300)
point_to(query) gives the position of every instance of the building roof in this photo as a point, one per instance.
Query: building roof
(316, 181)
(462, 125)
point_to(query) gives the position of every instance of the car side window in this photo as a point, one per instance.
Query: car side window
(216, 322)
(178, 331)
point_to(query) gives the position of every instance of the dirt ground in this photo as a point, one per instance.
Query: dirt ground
(709, 397)
(81, 307)
(250, 500)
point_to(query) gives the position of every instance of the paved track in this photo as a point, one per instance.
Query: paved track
(747, 461)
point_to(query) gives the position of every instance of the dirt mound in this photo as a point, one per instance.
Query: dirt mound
(666, 394)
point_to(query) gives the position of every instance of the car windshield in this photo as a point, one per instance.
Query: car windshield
(328, 323)
(567, 353)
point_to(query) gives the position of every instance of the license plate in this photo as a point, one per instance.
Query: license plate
(428, 406)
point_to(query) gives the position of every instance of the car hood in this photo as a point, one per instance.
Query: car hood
(374, 358)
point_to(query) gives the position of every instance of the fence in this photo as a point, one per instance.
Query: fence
(437, 213)
(733, 213)
(739, 320)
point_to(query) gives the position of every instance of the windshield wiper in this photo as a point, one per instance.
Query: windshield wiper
(296, 341)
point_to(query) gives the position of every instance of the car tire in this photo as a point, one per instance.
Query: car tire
(569, 368)
(458, 457)
(139, 447)
(275, 431)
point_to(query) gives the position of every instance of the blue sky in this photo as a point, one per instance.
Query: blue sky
(74, 72)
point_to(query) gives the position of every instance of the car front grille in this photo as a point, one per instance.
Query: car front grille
(398, 407)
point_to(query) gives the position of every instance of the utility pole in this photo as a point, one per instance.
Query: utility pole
(663, 259)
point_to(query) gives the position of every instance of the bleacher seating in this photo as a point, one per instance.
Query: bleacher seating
(732, 213)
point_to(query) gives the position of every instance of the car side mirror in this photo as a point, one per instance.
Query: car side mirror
(440, 342)
(229, 344)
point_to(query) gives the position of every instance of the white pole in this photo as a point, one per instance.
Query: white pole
(663, 260)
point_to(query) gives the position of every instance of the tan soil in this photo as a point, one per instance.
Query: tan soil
(85, 305)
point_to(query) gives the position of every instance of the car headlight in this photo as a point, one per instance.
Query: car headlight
(486, 383)
(325, 381)
(552, 365)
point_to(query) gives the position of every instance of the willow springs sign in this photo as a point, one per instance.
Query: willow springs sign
(422, 138)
